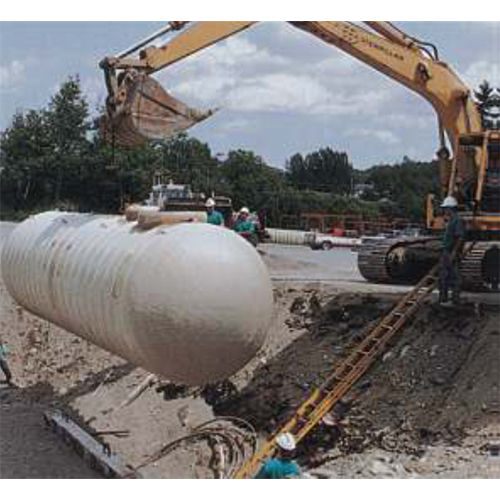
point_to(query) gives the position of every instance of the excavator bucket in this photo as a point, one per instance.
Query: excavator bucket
(143, 111)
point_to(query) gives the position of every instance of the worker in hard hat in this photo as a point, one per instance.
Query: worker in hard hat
(449, 274)
(213, 216)
(282, 466)
(243, 224)
(246, 227)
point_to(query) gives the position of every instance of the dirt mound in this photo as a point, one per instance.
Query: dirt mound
(278, 386)
(442, 376)
(437, 381)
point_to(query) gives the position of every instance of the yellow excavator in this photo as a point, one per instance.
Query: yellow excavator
(140, 110)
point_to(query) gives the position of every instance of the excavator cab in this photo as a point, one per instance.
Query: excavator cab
(475, 178)
(139, 110)
(490, 201)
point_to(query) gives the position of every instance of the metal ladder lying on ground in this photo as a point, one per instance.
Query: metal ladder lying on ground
(322, 399)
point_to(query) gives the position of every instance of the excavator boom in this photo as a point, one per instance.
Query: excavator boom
(138, 109)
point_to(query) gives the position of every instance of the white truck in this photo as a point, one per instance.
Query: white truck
(323, 241)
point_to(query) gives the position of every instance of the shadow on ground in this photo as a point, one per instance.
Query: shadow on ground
(28, 449)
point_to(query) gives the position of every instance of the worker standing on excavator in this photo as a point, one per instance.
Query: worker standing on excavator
(449, 274)
(283, 466)
(213, 216)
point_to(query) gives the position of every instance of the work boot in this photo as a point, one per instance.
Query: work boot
(443, 296)
(455, 299)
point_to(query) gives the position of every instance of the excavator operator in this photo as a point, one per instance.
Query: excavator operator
(449, 273)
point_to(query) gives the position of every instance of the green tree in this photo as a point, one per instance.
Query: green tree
(487, 100)
(186, 160)
(25, 153)
(68, 121)
(248, 180)
(403, 187)
(323, 170)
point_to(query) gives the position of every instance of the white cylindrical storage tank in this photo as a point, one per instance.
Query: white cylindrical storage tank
(288, 236)
(191, 302)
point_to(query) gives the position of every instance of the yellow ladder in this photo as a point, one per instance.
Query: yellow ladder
(322, 399)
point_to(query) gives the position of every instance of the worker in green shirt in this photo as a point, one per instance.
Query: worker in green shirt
(243, 224)
(282, 466)
(213, 216)
(449, 274)
(245, 227)
(3, 362)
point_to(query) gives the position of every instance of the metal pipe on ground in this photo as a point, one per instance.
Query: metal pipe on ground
(289, 236)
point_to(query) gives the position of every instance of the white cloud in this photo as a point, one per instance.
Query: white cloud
(243, 77)
(411, 121)
(211, 88)
(479, 71)
(384, 136)
(12, 74)
(95, 91)
(234, 53)
(278, 92)
(237, 124)
(250, 74)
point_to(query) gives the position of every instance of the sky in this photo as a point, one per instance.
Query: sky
(280, 90)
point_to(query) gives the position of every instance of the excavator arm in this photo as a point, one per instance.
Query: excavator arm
(150, 113)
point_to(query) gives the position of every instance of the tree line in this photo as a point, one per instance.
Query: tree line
(55, 157)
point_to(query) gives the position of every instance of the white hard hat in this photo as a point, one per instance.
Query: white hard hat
(286, 441)
(449, 202)
(244, 210)
(210, 203)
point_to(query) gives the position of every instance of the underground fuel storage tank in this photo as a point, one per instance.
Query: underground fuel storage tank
(191, 302)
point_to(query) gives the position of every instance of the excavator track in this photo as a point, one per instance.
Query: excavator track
(372, 262)
(406, 261)
(479, 266)
(396, 261)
